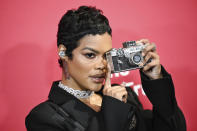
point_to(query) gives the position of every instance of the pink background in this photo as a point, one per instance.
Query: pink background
(28, 55)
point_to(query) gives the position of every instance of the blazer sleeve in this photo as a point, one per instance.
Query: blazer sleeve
(166, 115)
(115, 113)
(43, 118)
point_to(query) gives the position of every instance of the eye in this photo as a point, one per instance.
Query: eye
(105, 57)
(90, 55)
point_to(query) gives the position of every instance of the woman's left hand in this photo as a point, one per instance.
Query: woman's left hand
(153, 68)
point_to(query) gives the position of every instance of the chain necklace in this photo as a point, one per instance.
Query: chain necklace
(77, 93)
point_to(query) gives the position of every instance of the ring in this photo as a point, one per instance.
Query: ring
(154, 48)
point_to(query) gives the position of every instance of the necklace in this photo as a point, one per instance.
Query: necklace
(77, 93)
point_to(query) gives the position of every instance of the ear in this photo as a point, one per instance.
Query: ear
(61, 52)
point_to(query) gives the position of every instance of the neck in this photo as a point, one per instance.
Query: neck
(94, 101)
(71, 83)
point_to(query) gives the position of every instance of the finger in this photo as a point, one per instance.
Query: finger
(117, 92)
(121, 95)
(145, 41)
(154, 47)
(154, 59)
(113, 91)
(149, 48)
(152, 55)
(149, 66)
(119, 89)
(123, 84)
(147, 57)
(124, 98)
(153, 63)
(156, 73)
(142, 42)
(108, 77)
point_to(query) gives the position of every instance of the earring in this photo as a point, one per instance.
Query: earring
(66, 72)
(62, 53)
(67, 76)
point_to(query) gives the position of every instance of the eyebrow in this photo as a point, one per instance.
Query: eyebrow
(91, 49)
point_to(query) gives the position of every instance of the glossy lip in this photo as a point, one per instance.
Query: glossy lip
(98, 78)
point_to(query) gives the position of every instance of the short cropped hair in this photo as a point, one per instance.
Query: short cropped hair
(77, 23)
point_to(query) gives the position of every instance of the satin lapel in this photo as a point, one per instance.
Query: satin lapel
(79, 111)
(70, 104)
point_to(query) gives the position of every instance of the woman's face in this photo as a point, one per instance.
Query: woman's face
(88, 65)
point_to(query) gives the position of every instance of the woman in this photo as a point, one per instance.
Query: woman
(85, 100)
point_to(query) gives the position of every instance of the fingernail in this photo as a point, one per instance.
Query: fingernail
(123, 83)
(143, 54)
(141, 64)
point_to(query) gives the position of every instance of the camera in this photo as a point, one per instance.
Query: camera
(127, 58)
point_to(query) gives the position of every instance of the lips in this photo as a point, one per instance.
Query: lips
(98, 78)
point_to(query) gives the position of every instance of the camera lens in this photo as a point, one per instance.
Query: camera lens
(136, 58)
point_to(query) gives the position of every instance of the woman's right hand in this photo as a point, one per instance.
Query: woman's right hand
(118, 92)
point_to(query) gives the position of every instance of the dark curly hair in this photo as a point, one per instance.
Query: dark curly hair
(77, 23)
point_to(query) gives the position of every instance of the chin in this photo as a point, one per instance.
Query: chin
(96, 87)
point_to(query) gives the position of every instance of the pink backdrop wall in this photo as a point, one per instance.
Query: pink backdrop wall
(28, 55)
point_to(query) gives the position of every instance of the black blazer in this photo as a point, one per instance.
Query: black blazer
(64, 112)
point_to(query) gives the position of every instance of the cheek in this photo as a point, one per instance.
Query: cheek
(85, 63)
(81, 66)
(90, 62)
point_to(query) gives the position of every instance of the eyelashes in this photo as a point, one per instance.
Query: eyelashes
(90, 55)
(93, 56)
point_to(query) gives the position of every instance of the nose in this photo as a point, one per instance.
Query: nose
(102, 64)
